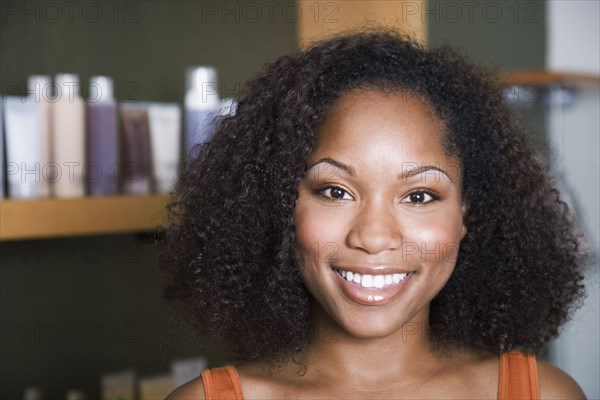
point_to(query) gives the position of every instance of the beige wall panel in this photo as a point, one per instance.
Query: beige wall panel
(322, 18)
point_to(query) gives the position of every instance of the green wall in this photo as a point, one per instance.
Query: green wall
(505, 34)
(78, 287)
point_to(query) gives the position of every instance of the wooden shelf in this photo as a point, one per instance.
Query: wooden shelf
(541, 78)
(45, 218)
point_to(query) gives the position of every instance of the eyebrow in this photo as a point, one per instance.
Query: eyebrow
(338, 164)
(420, 170)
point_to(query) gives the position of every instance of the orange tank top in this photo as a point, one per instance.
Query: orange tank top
(517, 379)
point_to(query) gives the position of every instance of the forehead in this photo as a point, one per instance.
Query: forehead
(378, 124)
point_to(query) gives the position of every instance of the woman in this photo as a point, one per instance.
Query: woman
(372, 224)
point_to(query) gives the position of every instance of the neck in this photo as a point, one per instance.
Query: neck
(334, 354)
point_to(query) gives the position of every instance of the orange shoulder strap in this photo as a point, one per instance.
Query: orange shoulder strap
(222, 384)
(518, 377)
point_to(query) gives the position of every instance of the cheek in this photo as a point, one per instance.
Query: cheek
(318, 233)
(306, 230)
(437, 240)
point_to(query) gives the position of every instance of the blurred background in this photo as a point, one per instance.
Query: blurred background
(80, 291)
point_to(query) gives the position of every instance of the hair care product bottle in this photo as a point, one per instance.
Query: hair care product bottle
(118, 385)
(136, 149)
(27, 122)
(201, 107)
(40, 91)
(165, 140)
(23, 147)
(102, 138)
(1, 153)
(68, 129)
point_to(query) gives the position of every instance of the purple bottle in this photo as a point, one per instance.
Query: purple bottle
(101, 172)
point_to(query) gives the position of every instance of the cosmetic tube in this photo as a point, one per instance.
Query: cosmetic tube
(165, 133)
(201, 108)
(2, 180)
(40, 88)
(136, 149)
(102, 138)
(68, 130)
(23, 147)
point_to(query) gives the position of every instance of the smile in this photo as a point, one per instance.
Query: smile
(372, 289)
(374, 282)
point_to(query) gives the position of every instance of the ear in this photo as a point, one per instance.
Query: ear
(465, 208)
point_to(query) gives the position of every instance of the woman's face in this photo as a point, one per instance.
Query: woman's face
(379, 215)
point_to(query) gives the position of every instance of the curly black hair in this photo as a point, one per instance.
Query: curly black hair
(231, 248)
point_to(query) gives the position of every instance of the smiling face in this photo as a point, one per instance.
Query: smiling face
(379, 215)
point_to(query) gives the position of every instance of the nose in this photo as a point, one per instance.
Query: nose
(375, 229)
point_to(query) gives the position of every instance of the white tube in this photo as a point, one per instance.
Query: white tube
(165, 134)
(1, 153)
(201, 107)
(68, 128)
(23, 167)
(40, 89)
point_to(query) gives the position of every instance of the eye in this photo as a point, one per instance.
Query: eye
(335, 193)
(420, 197)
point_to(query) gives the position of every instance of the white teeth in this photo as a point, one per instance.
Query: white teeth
(366, 281)
(372, 281)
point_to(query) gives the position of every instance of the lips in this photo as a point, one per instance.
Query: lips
(373, 289)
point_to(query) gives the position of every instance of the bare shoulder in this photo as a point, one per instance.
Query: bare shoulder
(556, 384)
(258, 383)
(193, 390)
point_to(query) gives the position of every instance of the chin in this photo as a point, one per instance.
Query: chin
(371, 332)
(372, 326)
